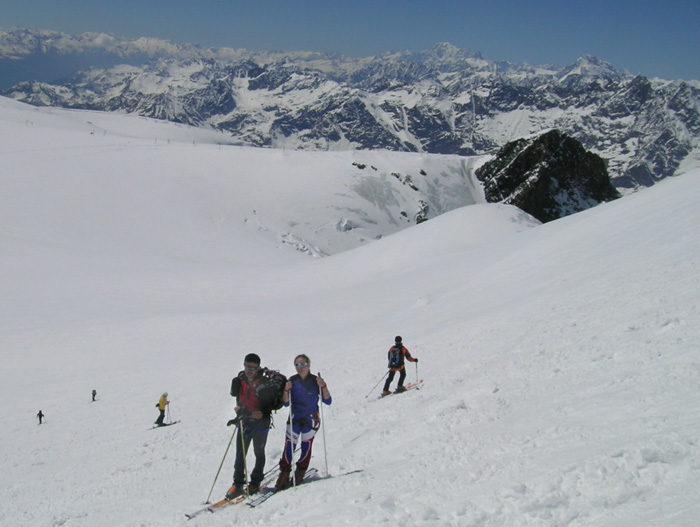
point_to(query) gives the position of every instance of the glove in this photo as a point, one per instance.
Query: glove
(233, 421)
(416, 360)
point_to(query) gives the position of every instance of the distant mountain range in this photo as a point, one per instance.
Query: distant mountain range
(442, 100)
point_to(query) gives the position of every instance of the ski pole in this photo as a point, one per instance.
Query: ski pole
(380, 380)
(323, 430)
(292, 441)
(243, 453)
(221, 465)
(416, 371)
(170, 420)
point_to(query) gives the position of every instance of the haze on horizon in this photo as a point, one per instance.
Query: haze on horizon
(644, 37)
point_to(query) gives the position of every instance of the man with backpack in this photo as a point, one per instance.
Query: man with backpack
(397, 355)
(258, 391)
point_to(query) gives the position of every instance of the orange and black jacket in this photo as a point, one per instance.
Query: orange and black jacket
(399, 359)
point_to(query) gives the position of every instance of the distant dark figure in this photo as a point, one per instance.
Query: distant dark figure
(94, 394)
(40, 415)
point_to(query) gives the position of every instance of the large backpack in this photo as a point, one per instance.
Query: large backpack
(270, 390)
(395, 356)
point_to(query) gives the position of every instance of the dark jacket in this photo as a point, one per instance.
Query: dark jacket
(245, 393)
(396, 355)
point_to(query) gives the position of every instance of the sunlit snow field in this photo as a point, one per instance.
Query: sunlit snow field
(561, 361)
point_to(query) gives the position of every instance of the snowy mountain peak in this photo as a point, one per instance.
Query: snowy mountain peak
(589, 66)
(442, 100)
(446, 51)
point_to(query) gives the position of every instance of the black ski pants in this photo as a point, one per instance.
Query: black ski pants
(390, 378)
(255, 431)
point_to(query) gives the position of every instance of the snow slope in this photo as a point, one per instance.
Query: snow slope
(560, 360)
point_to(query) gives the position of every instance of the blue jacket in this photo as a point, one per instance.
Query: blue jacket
(304, 396)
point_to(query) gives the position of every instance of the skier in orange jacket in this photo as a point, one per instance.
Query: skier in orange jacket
(397, 355)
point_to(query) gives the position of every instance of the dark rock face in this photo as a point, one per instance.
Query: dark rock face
(549, 176)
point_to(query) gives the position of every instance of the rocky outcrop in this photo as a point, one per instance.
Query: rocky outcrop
(549, 176)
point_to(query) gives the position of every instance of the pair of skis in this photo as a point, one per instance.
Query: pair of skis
(410, 386)
(217, 506)
(164, 425)
(266, 493)
(267, 490)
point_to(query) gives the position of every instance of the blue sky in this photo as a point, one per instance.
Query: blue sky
(656, 39)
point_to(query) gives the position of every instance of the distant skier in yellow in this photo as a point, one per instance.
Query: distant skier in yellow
(162, 404)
